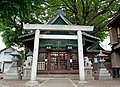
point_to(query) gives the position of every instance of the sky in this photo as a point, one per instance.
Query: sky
(103, 44)
(2, 45)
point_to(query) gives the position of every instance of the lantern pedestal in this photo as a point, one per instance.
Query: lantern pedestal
(103, 74)
(12, 74)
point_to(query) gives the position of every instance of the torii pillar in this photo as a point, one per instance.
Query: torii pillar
(38, 27)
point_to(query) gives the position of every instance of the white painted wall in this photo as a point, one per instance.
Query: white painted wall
(5, 59)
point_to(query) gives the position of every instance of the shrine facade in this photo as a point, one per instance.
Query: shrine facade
(59, 51)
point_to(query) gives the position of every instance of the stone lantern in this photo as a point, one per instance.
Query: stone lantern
(13, 72)
(101, 59)
(102, 73)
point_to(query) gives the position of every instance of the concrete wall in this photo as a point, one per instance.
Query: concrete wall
(5, 59)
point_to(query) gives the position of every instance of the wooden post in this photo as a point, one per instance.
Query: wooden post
(59, 67)
(68, 60)
(49, 61)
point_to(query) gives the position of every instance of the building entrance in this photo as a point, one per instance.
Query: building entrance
(58, 60)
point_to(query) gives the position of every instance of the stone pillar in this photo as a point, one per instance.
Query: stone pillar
(27, 66)
(88, 69)
(80, 57)
(35, 55)
(27, 73)
(89, 73)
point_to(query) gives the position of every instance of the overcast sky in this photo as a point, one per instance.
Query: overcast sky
(2, 45)
(105, 43)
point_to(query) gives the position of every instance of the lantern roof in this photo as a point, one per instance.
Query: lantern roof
(101, 54)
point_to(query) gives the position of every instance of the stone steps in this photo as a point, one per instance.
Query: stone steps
(48, 76)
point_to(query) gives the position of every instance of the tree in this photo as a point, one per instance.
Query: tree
(13, 13)
(88, 12)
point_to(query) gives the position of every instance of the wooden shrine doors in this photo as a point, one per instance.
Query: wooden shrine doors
(58, 60)
(54, 61)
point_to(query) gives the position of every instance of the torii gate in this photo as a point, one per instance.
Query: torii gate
(38, 27)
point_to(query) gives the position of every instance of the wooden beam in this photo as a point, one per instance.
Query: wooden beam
(42, 36)
(57, 27)
(32, 38)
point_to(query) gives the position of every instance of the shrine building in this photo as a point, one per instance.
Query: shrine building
(57, 54)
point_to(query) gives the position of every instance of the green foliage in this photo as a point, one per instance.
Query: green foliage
(2, 27)
(10, 37)
(102, 35)
(88, 12)
(13, 13)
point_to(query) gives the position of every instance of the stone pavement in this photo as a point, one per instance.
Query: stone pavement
(61, 82)
(99, 83)
(74, 83)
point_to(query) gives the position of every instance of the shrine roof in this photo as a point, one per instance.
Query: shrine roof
(96, 48)
(59, 18)
(60, 14)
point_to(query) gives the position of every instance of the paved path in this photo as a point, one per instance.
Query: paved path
(58, 83)
(61, 83)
